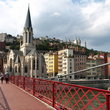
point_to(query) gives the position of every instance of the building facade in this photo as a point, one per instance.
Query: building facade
(2, 46)
(4, 37)
(51, 60)
(94, 60)
(65, 62)
(71, 60)
(27, 61)
(2, 60)
(107, 73)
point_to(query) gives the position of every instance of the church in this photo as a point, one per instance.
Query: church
(27, 61)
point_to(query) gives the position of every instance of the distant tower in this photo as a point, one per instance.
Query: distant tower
(85, 44)
(79, 42)
(27, 35)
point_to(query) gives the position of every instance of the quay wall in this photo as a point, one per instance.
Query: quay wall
(102, 83)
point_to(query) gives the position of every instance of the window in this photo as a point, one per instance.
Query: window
(70, 63)
(37, 64)
(25, 69)
(26, 36)
(33, 64)
(10, 65)
(10, 69)
(42, 69)
(29, 37)
(19, 69)
(15, 68)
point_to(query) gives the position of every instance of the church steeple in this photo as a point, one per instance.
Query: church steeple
(27, 44)
(28, 31)
(28, 23)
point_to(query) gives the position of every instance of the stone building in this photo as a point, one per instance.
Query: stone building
(27, 61)
(2, 60)
(4, 37)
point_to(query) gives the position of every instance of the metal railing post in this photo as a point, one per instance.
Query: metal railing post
(108, 101)
(53, 94)
(13, 80)
(17, 80)
(33, 86)
(24, 83)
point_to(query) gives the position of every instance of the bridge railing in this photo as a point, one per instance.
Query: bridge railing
(63, 96)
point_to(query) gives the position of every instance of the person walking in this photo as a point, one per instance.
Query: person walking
(2, 78)
(7, 78)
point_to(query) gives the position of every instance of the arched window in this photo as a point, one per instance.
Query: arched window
(37, 63)
(29, 37)
(33, 64)
(26, 36)
(10, 65)
(25, 69)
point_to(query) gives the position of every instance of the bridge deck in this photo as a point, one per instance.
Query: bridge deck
(12, 98)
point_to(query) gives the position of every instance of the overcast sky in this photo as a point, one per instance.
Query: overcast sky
(88, 20)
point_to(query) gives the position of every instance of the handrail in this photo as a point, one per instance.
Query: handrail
(86, 69)
(64, 96)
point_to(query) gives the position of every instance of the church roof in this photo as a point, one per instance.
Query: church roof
(33, 52)
(17, 52)
(28, 20)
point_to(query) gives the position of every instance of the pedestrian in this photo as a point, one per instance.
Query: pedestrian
(7, 78)
(2, 78)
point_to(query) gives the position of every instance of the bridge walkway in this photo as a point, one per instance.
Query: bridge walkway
(12, 98)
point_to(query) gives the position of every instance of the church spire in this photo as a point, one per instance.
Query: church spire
(27, 44)
(28, 20)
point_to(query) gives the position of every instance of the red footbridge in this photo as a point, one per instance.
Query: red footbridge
(63, 96)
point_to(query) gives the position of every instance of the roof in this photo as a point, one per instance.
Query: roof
(17, 52)
(28, 20)
(33, 52)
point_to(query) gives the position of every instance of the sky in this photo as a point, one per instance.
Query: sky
(88, 20)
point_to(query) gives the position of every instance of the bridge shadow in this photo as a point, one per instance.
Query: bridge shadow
(3, 102)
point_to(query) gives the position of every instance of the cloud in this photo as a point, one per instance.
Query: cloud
(88, 19)
(56, 14)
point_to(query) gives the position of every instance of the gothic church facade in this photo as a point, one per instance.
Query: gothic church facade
(27, 61)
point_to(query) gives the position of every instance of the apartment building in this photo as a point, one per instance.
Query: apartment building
(51, 60)
(80, 59)
(65, 62)
(71, 60)
(94, 60)
(107, 73)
